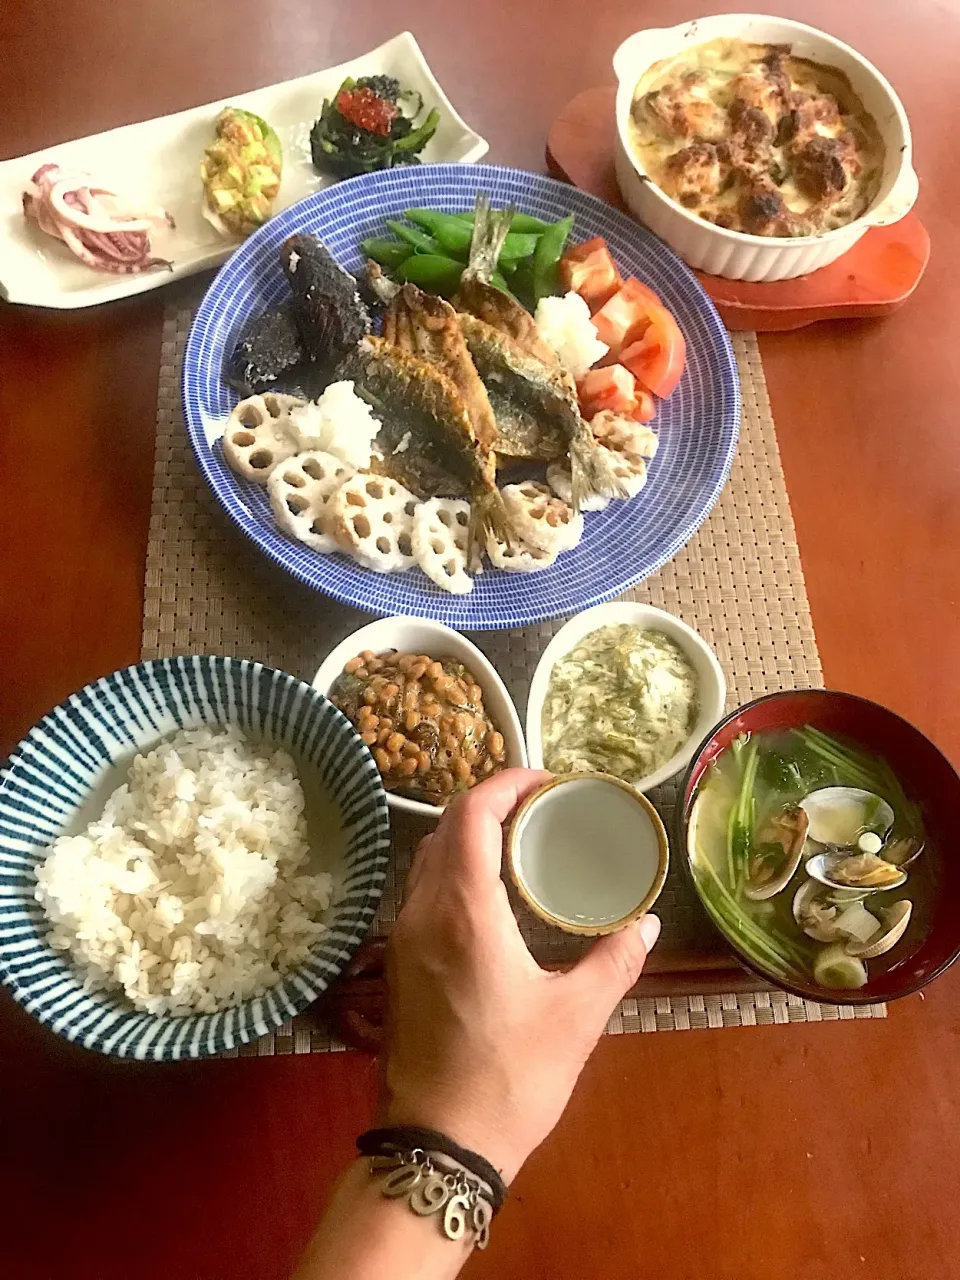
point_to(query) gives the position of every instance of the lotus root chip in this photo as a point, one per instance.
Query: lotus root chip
(519, 557)
(300, 490)
(256, 438)
(441, 543)
(630, 469)
(540, 518)
(624, 434)
(371, 518)
(560, 481)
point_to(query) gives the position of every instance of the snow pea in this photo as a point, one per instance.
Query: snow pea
(416, 238)
(389, 253)
(519, 222)
(455, 234)
(432, 272)
(451, 233)
(518, 245)
(546, 258)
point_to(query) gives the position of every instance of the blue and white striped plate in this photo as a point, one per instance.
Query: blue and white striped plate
(698, 425)
(58, 778)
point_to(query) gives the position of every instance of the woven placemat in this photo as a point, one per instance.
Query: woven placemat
(738, 582)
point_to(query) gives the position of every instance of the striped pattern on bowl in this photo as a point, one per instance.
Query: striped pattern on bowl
(57, 779)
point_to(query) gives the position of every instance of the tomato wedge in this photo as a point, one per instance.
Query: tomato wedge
(622, 319)
(588, 269)
(613, 387)
(657, 357)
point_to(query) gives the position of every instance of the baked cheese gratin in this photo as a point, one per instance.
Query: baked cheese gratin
(753, 139)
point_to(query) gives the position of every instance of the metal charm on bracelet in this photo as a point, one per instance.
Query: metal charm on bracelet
(430, 1185)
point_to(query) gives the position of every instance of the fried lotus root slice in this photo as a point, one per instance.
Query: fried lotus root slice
(540, 518)
(625, 435)
(630, 469)
(371, 518)
(257, 436)
(519, 557)
(300, 490)
(441, 540)
(561, 482)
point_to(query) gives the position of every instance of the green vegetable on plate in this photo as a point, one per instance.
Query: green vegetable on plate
(432, 273)
(416, 238)
(546, 258)
(519, 222)
(389, 253)
(370, 124)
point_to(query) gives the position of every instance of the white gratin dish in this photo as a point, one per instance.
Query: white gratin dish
(734, 254)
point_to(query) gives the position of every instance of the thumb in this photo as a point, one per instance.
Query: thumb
(614, 962)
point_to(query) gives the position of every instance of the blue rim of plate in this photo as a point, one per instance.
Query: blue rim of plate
(698, 425)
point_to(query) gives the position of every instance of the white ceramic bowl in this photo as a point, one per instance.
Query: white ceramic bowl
(419, 635)
(733, 253)
(713, 686)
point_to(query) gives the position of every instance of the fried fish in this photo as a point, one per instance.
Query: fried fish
(427, 439)
(428, 326)
(534, 399)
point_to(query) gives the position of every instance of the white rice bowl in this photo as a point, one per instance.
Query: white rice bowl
(190, 892)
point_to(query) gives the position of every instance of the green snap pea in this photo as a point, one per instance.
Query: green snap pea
(432, 272)
(416, 238)
(455, 234)
(519, 222)
(500, 281)
(389, 253)
(517, 245)
(546, 258)
(452, 234)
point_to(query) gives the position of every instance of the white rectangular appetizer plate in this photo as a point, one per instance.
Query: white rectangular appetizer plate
(157, 162)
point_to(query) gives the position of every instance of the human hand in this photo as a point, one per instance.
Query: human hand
(482, 1044)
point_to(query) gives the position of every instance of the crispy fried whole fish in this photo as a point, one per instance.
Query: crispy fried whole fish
(532, 416)
(427, 438)
(428, 326)
(533, 398)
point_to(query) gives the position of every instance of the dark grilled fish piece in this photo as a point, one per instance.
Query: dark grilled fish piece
(330, 313)
(269, 355)
(427, 438)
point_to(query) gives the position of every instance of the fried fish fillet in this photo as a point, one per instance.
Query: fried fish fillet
(536, 410)
(427, 438)
(533, 398)
(429, 327)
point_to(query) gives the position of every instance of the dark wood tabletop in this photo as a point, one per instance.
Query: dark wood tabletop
(817, 1151)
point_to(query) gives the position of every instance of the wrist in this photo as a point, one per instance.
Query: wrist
(484, 1135)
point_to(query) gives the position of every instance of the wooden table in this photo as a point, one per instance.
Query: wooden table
(821, 1151)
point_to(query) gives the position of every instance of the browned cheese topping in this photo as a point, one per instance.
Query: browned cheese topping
(752, 139)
